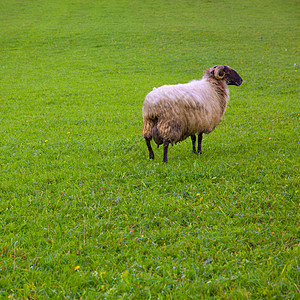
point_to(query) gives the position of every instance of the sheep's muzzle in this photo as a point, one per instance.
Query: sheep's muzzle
(232, 77)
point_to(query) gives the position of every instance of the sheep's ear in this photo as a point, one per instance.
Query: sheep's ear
(212, 71)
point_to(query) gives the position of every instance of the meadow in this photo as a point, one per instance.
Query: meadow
(85, 214)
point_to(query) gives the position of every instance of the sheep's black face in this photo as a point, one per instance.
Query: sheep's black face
(225, 73)
(232, 77)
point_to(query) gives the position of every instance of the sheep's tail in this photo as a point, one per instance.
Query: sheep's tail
(150, 131)
(148, 126)
(149, 119)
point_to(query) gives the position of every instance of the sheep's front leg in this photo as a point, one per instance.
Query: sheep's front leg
(193, 137)
(151, 154)
(166, 145)
(199, 142)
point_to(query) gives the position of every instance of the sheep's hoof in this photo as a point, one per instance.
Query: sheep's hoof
(197, 153)
(151, 155)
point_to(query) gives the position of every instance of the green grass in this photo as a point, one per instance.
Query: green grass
(84, 213)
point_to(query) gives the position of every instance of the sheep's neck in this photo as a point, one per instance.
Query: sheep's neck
(222, 91)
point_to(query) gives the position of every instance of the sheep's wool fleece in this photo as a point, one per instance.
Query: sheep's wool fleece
(179, 111)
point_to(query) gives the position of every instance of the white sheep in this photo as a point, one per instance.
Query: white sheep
(171, 113)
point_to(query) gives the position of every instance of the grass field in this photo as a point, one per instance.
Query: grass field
(84, 213)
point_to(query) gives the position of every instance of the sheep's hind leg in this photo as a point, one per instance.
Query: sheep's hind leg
(166, 145)
(151, 154)
(199, 142)
(193, 137)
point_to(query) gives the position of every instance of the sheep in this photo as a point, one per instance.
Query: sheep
(172, 113)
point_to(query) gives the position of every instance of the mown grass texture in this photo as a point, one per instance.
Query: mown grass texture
(84, 213)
